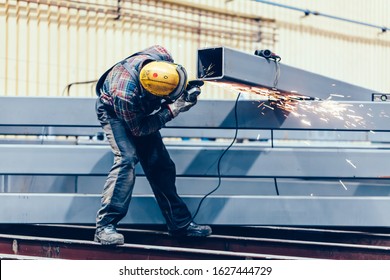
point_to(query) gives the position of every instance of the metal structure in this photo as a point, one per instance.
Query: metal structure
(281, 165)
(152, 242)
(244, 71)
(56, 179)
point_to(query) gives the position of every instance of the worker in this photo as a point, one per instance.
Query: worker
(136, 98)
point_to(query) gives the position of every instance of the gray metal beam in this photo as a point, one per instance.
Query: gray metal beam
(320, 136)
(191, 186)
(55, 159)
(79, 112)
(201, 160)
(48, 111)
(49, 130)
(219, 210)
(335, 187)
(202, 185)
(94, 185)
(222, 64)
(253, 134)
(305, 115)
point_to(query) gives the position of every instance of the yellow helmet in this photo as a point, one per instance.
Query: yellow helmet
(164, 79)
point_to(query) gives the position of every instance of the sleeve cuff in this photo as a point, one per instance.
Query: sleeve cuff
(165, 115)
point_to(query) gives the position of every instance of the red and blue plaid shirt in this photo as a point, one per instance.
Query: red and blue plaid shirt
(141, 111)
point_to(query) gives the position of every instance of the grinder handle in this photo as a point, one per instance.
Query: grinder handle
(193, 90)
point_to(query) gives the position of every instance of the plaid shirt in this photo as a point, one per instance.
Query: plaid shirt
(142, 112)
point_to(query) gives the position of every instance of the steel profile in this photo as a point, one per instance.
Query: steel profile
(365, 211)
(222, 64)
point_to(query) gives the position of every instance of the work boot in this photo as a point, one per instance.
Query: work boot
(109, 236)
(193, 229)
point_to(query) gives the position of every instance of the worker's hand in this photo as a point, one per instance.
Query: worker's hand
(181, 105)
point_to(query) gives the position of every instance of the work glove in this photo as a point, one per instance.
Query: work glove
(181, 105)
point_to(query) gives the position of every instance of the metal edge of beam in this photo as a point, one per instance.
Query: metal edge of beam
(49, 130)
(44, 131)
(237, 67)
(230, 210)
(21, 257)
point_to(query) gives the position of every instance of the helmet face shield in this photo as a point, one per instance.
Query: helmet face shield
(179, 90)
(164, 79)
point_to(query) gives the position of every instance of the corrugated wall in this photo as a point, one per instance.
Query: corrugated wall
(46, 45)
(349, 52)
(50, 44)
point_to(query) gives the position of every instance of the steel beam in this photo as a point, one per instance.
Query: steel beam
(74, 242)
(70, 249)
(61, 115)
(202, 185)
(48, 111)
(242, 161)
(349, 116)
(217, 210)
(190, 186)
(94, 185)
(222, 64)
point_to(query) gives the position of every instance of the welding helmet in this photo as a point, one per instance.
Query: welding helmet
(164, 79)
